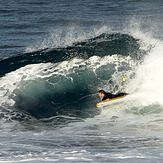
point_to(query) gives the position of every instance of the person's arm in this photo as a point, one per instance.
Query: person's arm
(106, 98)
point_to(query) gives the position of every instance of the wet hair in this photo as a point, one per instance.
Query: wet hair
(102, 91)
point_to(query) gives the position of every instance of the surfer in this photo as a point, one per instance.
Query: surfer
(105, 96)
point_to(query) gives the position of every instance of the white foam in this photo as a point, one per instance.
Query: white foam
(149, 77)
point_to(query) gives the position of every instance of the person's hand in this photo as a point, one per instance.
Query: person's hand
(107, 99)
(97, 104)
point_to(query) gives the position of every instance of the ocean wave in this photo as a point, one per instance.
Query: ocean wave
(65, 81)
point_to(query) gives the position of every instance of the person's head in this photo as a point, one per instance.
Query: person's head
(101, 93)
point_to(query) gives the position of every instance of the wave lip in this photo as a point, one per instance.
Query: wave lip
(103, 45)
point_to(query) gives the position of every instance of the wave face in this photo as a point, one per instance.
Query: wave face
(65, 81)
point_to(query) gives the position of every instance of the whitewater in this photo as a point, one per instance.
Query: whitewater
(49, 81)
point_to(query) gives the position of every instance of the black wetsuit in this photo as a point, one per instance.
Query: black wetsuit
(110, 95)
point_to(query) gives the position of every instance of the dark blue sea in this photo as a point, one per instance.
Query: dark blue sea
(55, 55)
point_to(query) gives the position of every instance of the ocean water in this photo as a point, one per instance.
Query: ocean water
(56, 55)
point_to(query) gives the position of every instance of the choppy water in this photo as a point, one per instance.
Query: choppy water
(55, 56)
